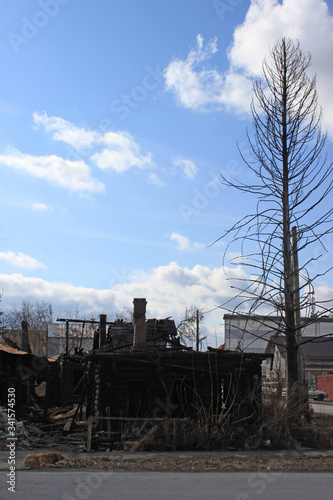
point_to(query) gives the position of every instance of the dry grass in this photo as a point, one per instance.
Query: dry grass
(278, 426)
(292, 425)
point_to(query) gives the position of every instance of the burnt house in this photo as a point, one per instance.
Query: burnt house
(113, 337)
(25, 372)
(137, 335)
(136, 371)
(172, 383)
(141, 370)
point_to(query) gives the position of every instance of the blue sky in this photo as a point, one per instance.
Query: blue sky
(115, 121)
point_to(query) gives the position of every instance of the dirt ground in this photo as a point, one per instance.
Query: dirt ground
(185, 464)
(305, 460)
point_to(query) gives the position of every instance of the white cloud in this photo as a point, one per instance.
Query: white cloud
(168, 289)
(63, 296)
(324, 293)
(68, 174)
(155, 179)
(199, 87)
(41, 207)
(63, 130)
(115, 150)
(266, 21)
(189, 167)
(235, 256)
(308, 21)
(21, 260)
(121, 153)
(184, 243)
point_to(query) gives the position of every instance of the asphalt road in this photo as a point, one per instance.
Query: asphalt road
(95, 485)
(327, 409)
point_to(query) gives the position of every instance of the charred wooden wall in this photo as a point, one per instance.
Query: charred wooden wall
(25, 372)
(171, 383)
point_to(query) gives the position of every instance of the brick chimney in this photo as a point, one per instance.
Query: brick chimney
(140, 326)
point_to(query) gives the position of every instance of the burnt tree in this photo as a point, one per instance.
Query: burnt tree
(291, 181)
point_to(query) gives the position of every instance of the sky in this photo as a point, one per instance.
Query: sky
(116, 119)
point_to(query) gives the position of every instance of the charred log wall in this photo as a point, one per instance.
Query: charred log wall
(172, 384)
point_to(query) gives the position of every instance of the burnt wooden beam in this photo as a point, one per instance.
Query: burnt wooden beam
(90, 321)
(25, 336)
(102, 330)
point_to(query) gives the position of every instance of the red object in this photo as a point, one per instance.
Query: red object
(222, 346)
(325, 383)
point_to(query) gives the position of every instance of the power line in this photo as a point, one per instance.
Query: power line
(211, 310)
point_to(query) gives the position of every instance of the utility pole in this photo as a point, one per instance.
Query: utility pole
(67, 335)
(197, 334)
(297, 310)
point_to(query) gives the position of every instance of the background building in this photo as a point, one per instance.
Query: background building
(252, 333)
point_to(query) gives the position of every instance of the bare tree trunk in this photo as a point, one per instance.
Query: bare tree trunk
(291, 340)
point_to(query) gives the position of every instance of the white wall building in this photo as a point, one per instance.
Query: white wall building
(79, 337)
(251, 333)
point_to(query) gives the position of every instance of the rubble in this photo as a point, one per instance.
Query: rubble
(20, 431)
